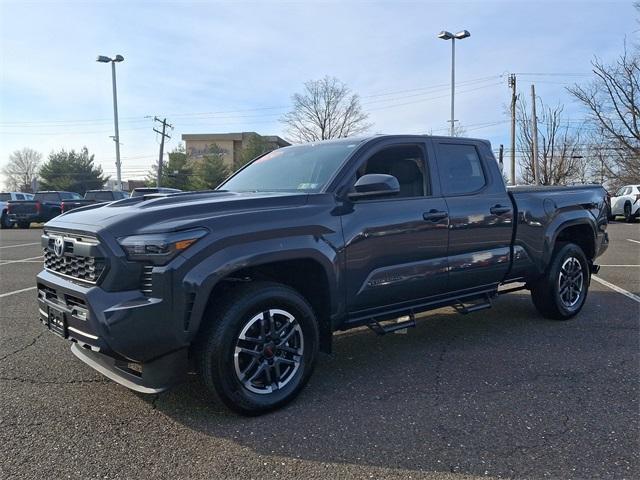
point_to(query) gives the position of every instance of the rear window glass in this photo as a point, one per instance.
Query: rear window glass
(5, 197)
(47, 197)
(100, 196)
(460, 169)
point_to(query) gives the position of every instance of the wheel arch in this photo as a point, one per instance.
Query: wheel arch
(580, 230)
(309, 272)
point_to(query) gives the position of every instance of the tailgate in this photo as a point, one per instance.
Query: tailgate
(22, 207)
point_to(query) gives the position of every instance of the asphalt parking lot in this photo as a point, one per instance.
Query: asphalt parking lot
(500, 393)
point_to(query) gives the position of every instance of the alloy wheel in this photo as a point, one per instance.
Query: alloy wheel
(570, 282)
(269, 351)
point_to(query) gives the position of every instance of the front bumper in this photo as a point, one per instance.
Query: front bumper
(127, 334)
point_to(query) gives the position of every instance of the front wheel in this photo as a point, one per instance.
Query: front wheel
(560, 294)
(259, 348)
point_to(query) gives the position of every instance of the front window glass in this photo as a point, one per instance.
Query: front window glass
(299, 168)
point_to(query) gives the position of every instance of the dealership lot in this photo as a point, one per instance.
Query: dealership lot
(500, 393)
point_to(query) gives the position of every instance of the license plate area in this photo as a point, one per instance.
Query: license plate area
(57, 322)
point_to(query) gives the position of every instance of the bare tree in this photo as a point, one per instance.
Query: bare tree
(22, 169)
(326, 109)
(613, 107)
(559, 150)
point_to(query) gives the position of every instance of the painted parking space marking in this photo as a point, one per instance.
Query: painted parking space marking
(21, 245)
(23, 260)
(631, 240)
(616, 288)
(2, 295)
(622, 266)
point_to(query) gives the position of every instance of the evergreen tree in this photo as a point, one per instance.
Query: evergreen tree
(71, 171)
(208, 171)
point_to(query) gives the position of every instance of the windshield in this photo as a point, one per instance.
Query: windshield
(300, 168)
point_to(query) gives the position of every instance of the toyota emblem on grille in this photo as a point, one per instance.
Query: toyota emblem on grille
(58, 246)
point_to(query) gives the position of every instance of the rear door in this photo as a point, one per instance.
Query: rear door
(480, 213)
(396, 247)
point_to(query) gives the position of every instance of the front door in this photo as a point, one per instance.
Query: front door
(396, 247)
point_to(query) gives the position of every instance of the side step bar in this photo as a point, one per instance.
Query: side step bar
(483, 304)
(382, 327)
(391, 326)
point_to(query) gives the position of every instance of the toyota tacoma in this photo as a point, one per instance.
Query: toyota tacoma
(246, 284)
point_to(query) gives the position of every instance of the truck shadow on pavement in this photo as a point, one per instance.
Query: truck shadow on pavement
(503, 392)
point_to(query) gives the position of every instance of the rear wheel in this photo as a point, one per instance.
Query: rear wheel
(628, 217)
(260, 347)
(560, 294)
(24, 224)
(5, 221)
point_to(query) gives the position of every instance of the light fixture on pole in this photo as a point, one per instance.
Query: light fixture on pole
(444, 35)
(116, 138)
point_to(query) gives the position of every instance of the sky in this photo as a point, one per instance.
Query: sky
(215, 67)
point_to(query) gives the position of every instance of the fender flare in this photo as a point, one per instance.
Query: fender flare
(209, 273)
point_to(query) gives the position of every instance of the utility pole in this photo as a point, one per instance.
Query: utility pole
(514, 97)
(534, 137)
(163, 135)
(501, 158)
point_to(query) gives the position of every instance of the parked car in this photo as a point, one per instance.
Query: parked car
(626, 202)
(139, 192)
(43, 207)
(93, 196)
(246, 284)
(5, 221)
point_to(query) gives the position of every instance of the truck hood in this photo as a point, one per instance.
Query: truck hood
(162, 213)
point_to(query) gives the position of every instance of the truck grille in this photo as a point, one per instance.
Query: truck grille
(70, 263)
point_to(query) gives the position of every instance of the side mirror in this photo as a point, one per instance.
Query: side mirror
(375, 185)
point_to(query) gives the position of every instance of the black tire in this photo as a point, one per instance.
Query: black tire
(5, 222)
(546, 292)
(24, 224)
(628, 217)
(221, 349)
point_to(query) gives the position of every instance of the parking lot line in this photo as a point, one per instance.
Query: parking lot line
(625, 266)
(21, 245)
(616, 288)
(7, 262)
(631, 240)
(16, 291)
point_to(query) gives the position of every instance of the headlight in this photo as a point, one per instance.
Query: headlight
(159, 248)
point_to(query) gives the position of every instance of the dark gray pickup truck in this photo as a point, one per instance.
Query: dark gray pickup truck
(93, 196)
(246, 284)
(43, 207)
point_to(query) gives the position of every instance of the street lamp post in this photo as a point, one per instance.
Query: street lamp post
(444, 35)
(116, 138)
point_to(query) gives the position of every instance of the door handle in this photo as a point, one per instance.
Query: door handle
(434, 215)
(499, 210)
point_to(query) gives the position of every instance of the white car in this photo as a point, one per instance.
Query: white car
(5, 222)
(626, 202)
